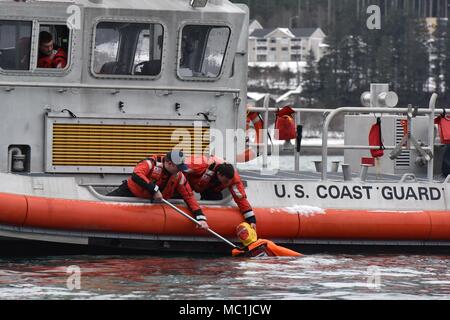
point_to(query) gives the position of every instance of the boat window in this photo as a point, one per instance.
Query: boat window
(15, 44)
(131, 49)
(53, 51)
(203, 51)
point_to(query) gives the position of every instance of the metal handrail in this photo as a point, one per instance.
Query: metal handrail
(355, 147)
(266, 110)
(112, 87)
(330, 114)
(430, 112)
(266, 131)
(298, 110)
(431, 139)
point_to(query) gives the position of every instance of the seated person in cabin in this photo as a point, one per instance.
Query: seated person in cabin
(154, 180)
(209, 176)
(254, 247)
(49, 56)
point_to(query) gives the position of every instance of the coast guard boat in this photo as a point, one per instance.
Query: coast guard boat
(145, 76)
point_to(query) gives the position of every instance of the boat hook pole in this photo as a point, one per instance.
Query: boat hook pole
(197, 223)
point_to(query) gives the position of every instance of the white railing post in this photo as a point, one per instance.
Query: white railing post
(297, 153)
(266, 131)
(431, 136)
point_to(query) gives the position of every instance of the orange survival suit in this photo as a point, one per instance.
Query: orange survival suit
(254, 247)
(149, 177)
(202, 177)
(58, 57)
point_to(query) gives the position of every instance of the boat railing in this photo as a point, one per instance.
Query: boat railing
(331, 114)
(64, 87)
(266, 110)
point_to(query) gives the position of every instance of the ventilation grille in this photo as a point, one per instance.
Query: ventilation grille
(121, 145)
(404, 159)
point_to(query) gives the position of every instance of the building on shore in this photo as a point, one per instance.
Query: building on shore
(284, 44)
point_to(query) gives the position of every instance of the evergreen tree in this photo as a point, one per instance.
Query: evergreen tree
(384, 64)
(397, 54)
(287, 76)
(310, 84)
(446, 64)
(328, 72)
(415, 62)
(340, 70)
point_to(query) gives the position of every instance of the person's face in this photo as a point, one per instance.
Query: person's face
(223, 180)
(46, 48)
(171, 167)
(242, 233)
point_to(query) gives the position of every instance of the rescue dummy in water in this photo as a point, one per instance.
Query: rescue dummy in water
(254, 247)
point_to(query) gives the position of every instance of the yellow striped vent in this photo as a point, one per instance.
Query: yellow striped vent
(122, 145)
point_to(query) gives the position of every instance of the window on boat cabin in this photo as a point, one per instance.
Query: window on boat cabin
(15, 45)
(128, 49)
(203, 50)
(53, 46)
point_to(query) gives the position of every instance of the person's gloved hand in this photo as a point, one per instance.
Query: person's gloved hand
(157, 197)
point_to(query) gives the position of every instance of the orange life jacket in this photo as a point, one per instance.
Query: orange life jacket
(202, 176)
(265, 248)
(150, 171)
(153, 172)
(201, 172)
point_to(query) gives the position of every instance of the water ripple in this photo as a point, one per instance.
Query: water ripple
(313, 277)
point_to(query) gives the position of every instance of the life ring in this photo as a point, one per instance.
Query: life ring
(252, 152)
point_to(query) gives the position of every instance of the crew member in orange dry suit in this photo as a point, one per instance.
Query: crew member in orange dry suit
(254, 247)
(157, 180)
(209, 176)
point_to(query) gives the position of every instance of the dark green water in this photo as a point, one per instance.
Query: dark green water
(146, 277)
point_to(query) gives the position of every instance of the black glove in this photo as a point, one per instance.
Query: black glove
(199, 216)
(152, 188)
(251, 220)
